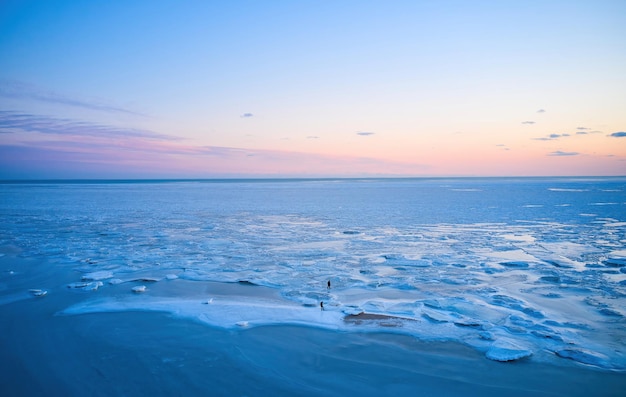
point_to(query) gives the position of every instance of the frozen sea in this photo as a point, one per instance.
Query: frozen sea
(446, 286)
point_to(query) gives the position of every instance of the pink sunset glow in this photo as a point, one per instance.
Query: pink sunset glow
(425, 90)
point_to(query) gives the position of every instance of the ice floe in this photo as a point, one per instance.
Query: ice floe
(38, 292)
(86, 286)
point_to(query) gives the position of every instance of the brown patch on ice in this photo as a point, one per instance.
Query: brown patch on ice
(381, 319)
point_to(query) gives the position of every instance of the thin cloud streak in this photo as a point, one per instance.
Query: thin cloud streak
(561, 153)
(62, 145)
(12, 122)
(551, 137)
(17, 90)
(172, 160)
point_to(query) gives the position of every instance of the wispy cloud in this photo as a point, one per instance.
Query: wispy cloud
(72, 148)
(528, 122)
(246, 115)
(619, 134)
(19, 90)
(90, 159)
(541, 111)
(561, 153)
(13, 122)
(312, 137)
(365, 133)
(586, 131)
(552, 137)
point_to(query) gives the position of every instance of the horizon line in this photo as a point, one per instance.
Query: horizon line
(283, 179)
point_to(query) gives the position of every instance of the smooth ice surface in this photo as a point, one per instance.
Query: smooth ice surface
(518, 269)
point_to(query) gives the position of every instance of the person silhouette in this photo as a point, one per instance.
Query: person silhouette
(328, 285)
(321, 305)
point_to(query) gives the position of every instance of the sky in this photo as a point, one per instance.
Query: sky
(202, 89)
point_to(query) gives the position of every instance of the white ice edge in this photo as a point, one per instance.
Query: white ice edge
(239, 312)
(218, 312)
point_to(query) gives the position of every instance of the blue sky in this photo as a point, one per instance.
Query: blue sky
(295, 88)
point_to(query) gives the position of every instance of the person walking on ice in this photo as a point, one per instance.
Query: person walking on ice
(321, 305)
(328, 285)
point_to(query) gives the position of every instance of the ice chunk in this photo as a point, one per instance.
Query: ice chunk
(515, 264)
(507, 351)
(242, 323)
(439, 317)
(610, 312)
(38, 292)
(146, 279)
(171, 277)
(139, 289)
(94, 285)
(603, 308)
(352, 310)
(515, 304)
(559, 262)
(615, 262)
(550, 279)
(467, 322)
(585, 356)
(543, 331)
(91, 286)
(99, 275)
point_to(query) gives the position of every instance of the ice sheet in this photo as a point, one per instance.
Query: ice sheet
(503, 267)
